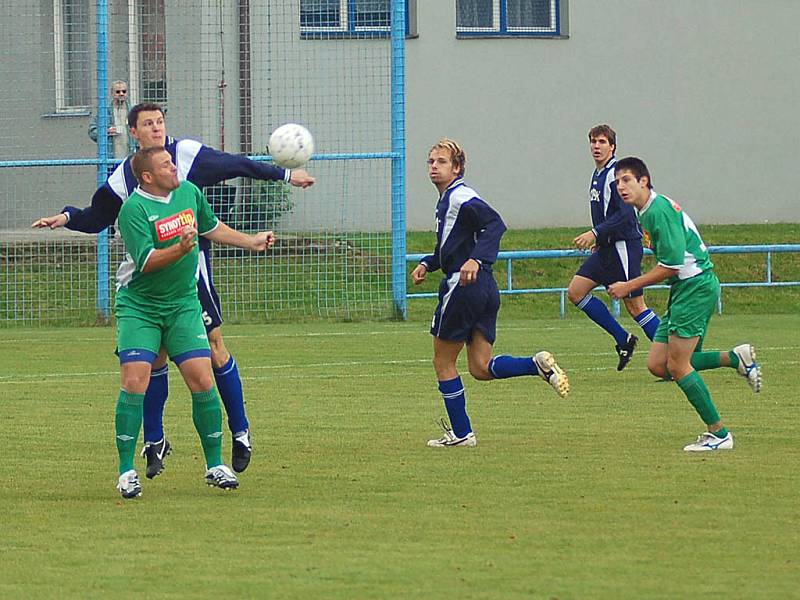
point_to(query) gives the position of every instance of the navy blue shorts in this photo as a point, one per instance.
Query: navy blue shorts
(620, 262)
(462, 310)
(209, 300)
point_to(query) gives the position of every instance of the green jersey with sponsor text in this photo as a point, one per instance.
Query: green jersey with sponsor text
(148, 223)
(673, 237)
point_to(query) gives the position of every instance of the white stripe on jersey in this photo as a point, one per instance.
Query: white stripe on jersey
(185, 153)
(452, 283)
(607, 189)
(622, 252)
(117, 181)
(457, 198)
(202, 272)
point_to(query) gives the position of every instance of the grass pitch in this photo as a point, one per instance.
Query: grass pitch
(588, 497)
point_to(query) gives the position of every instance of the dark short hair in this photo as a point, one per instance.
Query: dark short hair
(142, 160)
(133, 115)
(606, 131)
(636, 166)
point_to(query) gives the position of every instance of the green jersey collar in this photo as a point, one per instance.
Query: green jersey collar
(649, 202)
(150, 196)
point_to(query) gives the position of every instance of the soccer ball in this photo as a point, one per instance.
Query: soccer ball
(291, 145)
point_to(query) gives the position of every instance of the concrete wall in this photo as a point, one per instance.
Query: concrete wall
(704, 91)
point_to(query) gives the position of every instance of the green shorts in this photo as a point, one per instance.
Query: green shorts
(143, 330)
(689, 309)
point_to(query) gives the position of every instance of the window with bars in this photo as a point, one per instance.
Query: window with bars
(481, 18)
(350, 18)
(152, 52)
(72, 53)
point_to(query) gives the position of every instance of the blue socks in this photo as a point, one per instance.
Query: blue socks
(598, 312)
(504, 366)
(229, 385)
(455, 401)
(154, 400)
(649, 322)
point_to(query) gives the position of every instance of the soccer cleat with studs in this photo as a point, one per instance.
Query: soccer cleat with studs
(625, 351)
(553, 374)
(154, 453)
(748, 367)
(708, 442)
(241, 450)
(222, 477)
(128, 485)
(450, 439)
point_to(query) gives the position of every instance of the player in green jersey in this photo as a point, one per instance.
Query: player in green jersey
(684, 263)
(157, 306)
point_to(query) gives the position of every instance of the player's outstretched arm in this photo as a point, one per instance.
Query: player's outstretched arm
(222, 234)
(53, 222)
(300, 178)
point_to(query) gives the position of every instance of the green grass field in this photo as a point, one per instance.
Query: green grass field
(584, 498)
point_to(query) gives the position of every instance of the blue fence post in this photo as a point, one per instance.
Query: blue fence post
(103, 298)
(398, 108)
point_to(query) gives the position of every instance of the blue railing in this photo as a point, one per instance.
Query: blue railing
(511, 256)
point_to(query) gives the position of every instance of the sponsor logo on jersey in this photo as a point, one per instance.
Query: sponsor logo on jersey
(171, 227)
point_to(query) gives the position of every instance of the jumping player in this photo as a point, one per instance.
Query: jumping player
(468, 233)
(157, 307)
(616, 243)
(694, 290)
(203, 166)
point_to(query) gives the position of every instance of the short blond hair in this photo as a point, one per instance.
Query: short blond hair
(457, 154)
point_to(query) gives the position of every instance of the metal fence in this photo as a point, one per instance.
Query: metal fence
(227, 73)
(510, 256)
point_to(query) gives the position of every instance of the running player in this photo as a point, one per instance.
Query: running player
(616, 243)
(468, 233)
(684, 262)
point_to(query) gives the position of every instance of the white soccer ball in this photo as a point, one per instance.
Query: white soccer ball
(291, 145)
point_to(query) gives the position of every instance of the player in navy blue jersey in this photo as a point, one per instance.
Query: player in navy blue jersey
(468, 233)
(203, 166)
(616, 243)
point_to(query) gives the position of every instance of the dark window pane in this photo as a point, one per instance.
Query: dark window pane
(474, 13)
(372, 13)
(529, 13)
(320, 13)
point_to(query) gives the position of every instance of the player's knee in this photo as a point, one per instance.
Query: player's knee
(657, 369)
(480, 371)
(219, 352)
(575, 295)
(134, 383)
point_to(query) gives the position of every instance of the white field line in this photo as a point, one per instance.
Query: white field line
(285, 371)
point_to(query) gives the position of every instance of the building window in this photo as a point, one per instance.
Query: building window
(351, 18)
(71, 40)
(481, 18)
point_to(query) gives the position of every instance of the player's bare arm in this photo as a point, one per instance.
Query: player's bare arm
(419, 274)
(159, 259)
(53, 222)
(469, 272)
(585, 240)
(300, 178)
(657, 274)
(222, 234)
